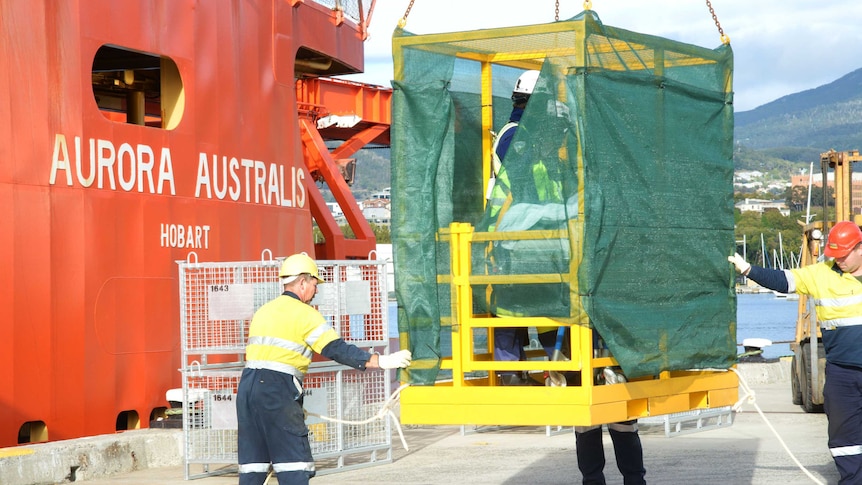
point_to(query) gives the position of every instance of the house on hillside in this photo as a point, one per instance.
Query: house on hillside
(753, 180)
(746, 176)
(335, 210)
(383, 194)
(761, 205)
(376, 210)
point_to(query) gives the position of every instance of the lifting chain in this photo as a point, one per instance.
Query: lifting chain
(724, 39)
(403, 22)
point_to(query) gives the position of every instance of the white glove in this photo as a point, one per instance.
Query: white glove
(742, 266)
(400, 359)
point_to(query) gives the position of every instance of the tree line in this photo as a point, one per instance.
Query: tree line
(771, 238)
(381, 233)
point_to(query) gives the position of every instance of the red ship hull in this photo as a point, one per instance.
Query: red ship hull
(96, 210)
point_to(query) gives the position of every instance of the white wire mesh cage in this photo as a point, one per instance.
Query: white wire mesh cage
(218, 301)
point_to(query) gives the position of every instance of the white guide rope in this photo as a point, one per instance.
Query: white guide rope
(749, 397)
(386, 409)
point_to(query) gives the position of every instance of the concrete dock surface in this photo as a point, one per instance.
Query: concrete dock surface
(746, 452)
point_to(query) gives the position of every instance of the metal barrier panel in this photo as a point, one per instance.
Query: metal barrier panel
(217, 303)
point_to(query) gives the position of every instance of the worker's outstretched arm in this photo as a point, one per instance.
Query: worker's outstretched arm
(774, 279)
(351, 355)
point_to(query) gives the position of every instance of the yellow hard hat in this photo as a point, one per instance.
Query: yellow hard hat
(299, 264)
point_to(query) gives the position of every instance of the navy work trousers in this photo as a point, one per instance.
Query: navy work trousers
(271, 429)
(842, 401)
(627, 449)
(509, 343)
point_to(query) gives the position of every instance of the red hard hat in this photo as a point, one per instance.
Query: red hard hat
(842, 239)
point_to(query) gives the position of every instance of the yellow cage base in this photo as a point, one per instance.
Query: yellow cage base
(444, 404)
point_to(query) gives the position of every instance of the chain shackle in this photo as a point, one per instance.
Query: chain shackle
(724, 38)
(403, 22)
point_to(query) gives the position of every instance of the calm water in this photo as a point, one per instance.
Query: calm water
(765, 316)
(757, 316)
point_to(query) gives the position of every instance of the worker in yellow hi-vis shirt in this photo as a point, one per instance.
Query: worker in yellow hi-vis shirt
(283, 336)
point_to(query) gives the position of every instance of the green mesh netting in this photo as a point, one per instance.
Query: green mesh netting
(618, 180)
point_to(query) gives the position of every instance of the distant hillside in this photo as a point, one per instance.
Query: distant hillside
(808, 122)
(372, 172)
(371, 175)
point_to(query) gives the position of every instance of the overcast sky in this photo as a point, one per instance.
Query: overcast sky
(780, 47)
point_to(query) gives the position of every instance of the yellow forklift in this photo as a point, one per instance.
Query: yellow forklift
(809, 362)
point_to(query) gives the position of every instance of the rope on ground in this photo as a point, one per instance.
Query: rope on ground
(749, 397)
(385, 410)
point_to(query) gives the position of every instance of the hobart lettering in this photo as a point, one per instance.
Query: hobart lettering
(180, 236)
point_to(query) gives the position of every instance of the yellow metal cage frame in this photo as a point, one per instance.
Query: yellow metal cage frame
(482, 400)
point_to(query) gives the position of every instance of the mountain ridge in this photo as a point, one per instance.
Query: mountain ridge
(845, 88)
(814, 120)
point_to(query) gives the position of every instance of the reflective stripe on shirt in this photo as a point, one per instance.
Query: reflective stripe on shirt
(275, 366)
(840, 322)
(285, 344)
(315, 335)
(287, 333)
(839, 302)
(842, 301)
